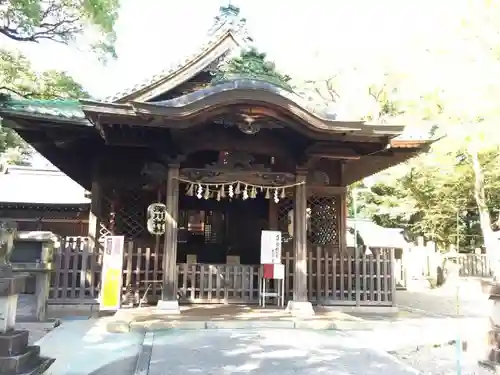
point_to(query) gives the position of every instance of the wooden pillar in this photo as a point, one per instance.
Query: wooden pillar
(300, 305)
(342, 222)
(300, 241)
(273, 215)
(94, 216)
(169, 296)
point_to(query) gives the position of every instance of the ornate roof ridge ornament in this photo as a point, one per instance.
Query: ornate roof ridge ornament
(229, 19)
(253, 65)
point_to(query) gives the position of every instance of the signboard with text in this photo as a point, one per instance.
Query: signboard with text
(111, 281)
(270, 247)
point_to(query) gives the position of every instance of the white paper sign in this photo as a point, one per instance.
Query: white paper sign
(270, 247)
(279, 271)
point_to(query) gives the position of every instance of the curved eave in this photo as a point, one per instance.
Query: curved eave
(214, 104)
(182, 72)
(245, 92)
(411, 144)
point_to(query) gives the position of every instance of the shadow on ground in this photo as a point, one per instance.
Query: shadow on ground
(83, 347)
(262, 352)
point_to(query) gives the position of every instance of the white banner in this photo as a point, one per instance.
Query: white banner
(270, 247)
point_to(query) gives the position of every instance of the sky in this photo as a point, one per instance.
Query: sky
(307, 39)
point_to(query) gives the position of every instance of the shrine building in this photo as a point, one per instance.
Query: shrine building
(224, 141)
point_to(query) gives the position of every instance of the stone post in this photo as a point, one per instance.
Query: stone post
(169, 303)
(300, 305)
(491, 357)
(16, 357)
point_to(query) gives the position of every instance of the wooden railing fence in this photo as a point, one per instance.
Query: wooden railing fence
(332, 278)
(474, 265)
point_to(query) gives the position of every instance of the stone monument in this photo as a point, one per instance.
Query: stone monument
(16, 356)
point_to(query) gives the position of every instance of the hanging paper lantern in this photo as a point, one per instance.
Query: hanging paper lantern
(156, 218)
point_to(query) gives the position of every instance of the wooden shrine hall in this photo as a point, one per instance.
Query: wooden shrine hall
(225, 142)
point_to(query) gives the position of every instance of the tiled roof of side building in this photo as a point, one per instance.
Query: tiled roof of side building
(374, 235)
(39, 186)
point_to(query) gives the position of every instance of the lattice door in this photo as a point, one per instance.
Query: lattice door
(131, 214)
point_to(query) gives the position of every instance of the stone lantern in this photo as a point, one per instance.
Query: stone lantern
(16, 357)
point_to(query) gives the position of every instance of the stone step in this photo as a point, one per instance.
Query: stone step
(13, 343)
(15, 363)
(36, 366)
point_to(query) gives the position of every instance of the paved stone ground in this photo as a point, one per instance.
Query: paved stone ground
(83, 347)
(269, 352)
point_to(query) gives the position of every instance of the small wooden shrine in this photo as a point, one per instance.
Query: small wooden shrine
(224, 141)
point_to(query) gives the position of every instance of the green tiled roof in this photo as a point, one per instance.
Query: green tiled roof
(67, 108)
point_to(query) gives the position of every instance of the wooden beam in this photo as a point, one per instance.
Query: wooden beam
(323, 190)
(232, 140)
(343, 150)
(45, 220)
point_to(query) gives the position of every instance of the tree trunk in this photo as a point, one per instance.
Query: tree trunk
(490, 241)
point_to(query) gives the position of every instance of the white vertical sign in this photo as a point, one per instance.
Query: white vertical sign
(270, 247)
(111, 279)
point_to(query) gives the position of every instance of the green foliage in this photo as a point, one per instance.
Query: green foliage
(60, 21)
(252, 64)
(443, 194)
(19, 79)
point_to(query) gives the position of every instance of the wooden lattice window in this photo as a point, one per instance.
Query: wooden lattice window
(322, 219)
(131, 214)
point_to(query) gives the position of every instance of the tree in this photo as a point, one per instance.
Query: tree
(60, 21)
(18, 79)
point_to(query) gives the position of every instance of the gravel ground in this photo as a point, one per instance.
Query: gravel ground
(474, 309)
(441, 360)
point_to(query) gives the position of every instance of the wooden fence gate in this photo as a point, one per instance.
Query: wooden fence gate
(333, 278)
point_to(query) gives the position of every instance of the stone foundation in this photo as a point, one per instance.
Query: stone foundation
(16, 356)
